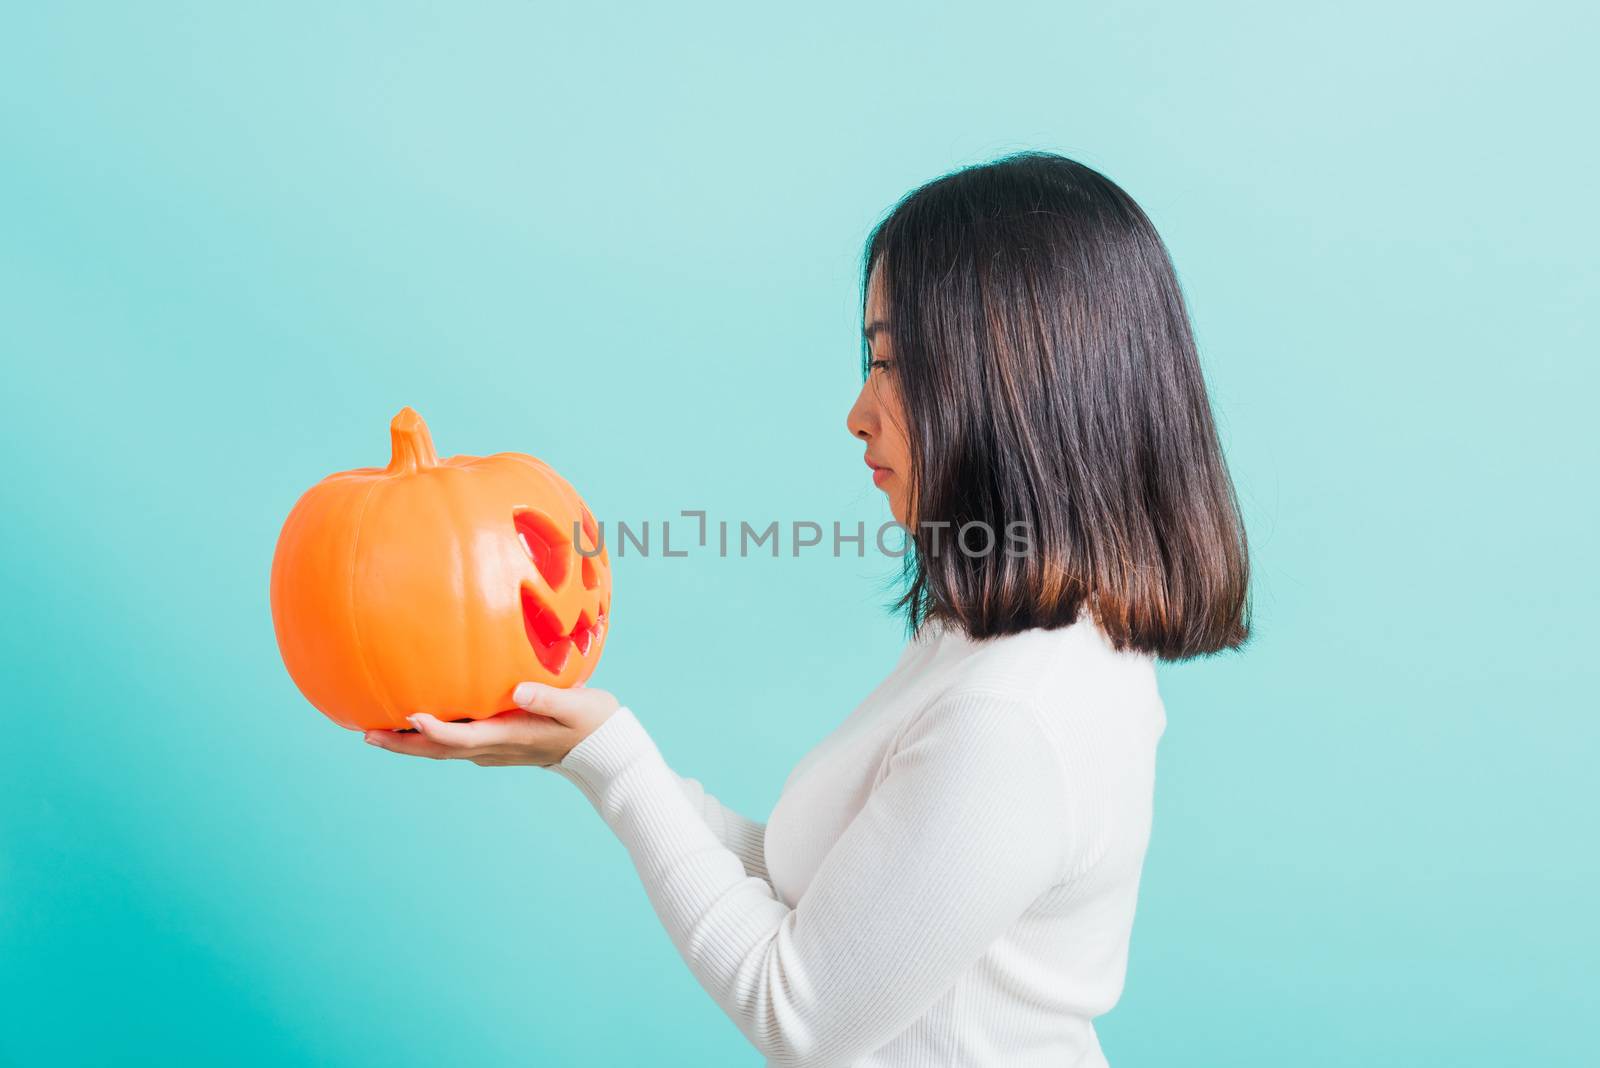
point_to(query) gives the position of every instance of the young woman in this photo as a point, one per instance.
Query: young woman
(950, 877)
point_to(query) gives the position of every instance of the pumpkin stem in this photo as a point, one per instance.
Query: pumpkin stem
(411, 442)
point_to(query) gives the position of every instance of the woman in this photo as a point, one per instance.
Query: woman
(950, 877)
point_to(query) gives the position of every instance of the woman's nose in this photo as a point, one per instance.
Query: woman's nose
(861, 420)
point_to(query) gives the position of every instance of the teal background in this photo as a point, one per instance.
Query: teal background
(235, 239)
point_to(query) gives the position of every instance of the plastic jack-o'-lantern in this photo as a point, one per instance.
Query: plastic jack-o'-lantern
(437, 585)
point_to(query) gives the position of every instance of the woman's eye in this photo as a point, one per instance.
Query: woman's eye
(878, 365)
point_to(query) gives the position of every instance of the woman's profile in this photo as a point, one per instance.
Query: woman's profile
(950, 876)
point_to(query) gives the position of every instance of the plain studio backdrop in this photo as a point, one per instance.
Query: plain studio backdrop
(233, 243)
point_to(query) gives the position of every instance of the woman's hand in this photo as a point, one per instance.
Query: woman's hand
(548, 723)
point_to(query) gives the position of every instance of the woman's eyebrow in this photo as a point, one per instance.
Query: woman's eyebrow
(873, 328)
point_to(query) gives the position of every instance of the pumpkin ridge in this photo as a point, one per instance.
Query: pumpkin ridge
(379, 694)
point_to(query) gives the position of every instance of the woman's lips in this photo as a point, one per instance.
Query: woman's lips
(880, 475)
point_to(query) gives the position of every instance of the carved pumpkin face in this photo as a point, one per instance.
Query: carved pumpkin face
(437, 585)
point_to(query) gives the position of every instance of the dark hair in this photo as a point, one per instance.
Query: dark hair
(1048, 375)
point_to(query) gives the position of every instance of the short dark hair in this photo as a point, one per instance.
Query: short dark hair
(1048, 374)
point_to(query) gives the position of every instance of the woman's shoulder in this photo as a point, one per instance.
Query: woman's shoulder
(1067, 675)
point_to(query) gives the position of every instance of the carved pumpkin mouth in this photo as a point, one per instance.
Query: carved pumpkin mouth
(550, 643)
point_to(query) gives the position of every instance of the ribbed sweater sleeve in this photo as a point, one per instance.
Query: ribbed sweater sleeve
(746, 837)
(967, 825)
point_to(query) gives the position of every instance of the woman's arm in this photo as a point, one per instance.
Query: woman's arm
(744, 836)
(970, 825)
(564, 719)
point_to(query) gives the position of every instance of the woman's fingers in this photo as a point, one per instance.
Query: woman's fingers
(489, 738)
(549, 723)
(505, 728)
(412, 745)
(457, 736)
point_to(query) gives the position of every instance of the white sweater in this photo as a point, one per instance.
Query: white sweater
(948, 879)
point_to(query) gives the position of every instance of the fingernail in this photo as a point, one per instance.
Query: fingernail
(412, 719)
(370, 740)
(523, 693)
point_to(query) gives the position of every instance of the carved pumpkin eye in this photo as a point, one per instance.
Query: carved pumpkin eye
(545, 545)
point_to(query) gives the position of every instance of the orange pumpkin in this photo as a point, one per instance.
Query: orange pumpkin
(437, 585)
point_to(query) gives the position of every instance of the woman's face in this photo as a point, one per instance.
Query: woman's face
(876, 417)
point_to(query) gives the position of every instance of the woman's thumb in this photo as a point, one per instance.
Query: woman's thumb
(541, 698)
